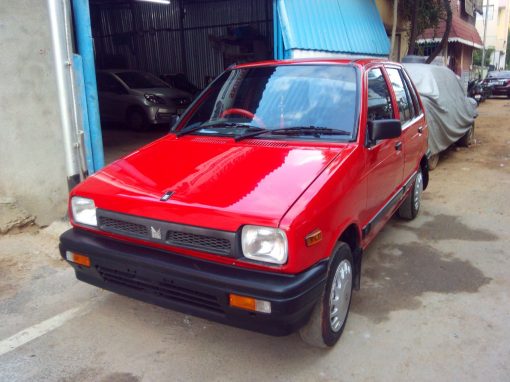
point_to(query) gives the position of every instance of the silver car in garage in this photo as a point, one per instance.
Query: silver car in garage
(138, 99)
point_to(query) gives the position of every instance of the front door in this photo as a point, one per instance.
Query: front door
(384, 159)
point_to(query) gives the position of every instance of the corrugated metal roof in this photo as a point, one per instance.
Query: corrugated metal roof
(337, 26)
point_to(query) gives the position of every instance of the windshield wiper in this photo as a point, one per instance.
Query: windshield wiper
(296, 130)
(215, 125)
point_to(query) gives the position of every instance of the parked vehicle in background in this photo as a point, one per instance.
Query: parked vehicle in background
(450, 113)
(255, 211)
(181, 82)
(138, 99)
(479, 90)
(499, 82)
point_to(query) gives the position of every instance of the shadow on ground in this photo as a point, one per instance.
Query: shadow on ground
(397, 275)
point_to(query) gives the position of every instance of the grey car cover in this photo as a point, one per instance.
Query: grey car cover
(449, 112)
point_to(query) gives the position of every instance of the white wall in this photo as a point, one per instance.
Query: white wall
(32, 166)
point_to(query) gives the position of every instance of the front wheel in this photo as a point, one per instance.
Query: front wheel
(329, 315)
(411, 206)
(136, 120)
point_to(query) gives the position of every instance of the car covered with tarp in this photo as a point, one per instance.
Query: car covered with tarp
(450, 113)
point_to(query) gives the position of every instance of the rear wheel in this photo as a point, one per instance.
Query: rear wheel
(469, 138)
(329, 315)
(411, 206)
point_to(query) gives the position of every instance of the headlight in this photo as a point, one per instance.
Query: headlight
(84, 211)
(264, 244)
(154, 99)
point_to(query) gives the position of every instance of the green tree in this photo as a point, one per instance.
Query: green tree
(424, 14)
(477, 56)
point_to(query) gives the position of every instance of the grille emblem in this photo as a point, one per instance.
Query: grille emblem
(156, 233)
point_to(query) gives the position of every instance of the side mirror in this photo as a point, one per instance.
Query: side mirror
(384, 129)
(174, 120)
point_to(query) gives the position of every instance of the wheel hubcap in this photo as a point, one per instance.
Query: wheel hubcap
(340, 296)
(418, 189)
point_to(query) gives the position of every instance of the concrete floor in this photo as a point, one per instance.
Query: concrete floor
(118, 141)
(434, 303)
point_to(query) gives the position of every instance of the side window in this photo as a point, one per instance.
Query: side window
(379, 98)
(106, 83)
(416, 103)
(404, 102)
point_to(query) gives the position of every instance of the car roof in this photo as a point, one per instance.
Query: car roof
(119, 71)
(362, 62)
(499, 74)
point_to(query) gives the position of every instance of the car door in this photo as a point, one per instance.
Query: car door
(384, 159)
(411, 116)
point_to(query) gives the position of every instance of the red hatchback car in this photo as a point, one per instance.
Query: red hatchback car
(256, 208)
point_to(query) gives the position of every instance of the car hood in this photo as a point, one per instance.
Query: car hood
(216, 182)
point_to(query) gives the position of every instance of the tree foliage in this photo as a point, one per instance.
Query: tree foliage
(429, 13)
(477, 56)
(507, 63)
(424, 14)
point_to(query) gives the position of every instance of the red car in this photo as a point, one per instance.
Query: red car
(256, 209)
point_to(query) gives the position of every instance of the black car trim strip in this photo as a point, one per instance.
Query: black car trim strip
(388, 206)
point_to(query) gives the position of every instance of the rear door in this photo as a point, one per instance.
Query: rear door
(412, 118)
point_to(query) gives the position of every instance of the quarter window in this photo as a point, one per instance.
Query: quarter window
(379, 98)
(416, 103)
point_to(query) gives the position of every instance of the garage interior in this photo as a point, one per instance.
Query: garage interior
(191, 39)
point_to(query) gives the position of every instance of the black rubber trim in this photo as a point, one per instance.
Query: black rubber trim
(388, 206)
(292, 297)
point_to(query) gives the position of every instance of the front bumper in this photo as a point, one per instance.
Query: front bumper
(194, 286)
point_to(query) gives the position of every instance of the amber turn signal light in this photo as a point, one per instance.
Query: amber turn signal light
(249, 303)
(78, 259)
(313, 238)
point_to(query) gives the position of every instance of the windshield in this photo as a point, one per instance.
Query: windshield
(140, 80)
(280, 97)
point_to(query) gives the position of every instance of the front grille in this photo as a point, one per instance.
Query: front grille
(120, 226)
(176, 235)
(201, 242)
(164, 289)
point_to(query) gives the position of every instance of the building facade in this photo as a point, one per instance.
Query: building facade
(41, 148)
(463, 39)
(385, 8)
(496, 32)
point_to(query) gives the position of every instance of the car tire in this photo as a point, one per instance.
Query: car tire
(136, 120)
(329, 315)
(469, 138)
(433, 161)
(411, 206)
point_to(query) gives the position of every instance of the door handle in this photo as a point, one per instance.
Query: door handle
(420, 129)
(398, 146)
